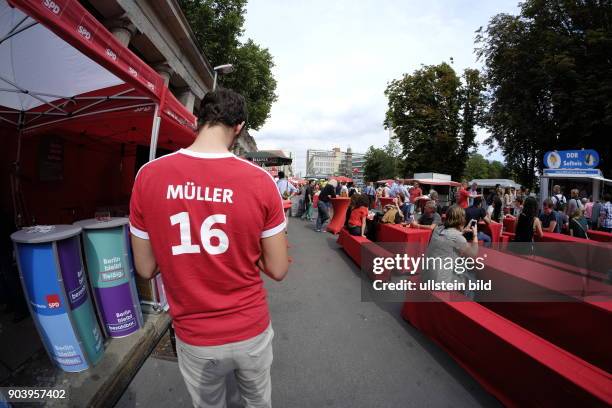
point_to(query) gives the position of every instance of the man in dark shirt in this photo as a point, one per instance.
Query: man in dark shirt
(476, 212)
(430, 219)
(324, 205)
(549, 218)
(308, 196)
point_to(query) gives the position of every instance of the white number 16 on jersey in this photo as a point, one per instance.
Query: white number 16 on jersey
(206, 235)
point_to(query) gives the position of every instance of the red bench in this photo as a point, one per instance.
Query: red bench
(361, 250)
(600, 236)
(562, 307)
(517, 366)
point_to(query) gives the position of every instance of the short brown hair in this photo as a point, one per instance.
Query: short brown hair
(455, 217)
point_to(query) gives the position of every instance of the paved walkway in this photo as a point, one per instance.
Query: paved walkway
(331, 349)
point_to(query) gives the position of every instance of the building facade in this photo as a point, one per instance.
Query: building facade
(335, 162)
(358, 163)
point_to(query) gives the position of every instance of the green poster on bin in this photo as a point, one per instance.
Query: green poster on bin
(107, 259)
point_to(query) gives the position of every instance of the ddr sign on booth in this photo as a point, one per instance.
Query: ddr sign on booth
(571, 159)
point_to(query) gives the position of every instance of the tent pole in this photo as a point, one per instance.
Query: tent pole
(154, 133)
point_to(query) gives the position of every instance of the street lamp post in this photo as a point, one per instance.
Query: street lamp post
(221, 70)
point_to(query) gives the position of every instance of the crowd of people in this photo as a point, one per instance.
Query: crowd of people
(574, 214)
(455, 219)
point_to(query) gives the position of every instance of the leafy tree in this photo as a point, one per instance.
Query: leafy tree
(477, 167)
(433, 113)
(497, 170)
(382, 163)
(550, 79)
(218, 26)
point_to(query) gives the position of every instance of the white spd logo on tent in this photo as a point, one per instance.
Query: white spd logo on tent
(111, 54)
(84, 32)
(51, 5)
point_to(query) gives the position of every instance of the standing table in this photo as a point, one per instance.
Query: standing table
(493, 229)
(385, 200)
(509, 223)
(414, 240)
(340, 205)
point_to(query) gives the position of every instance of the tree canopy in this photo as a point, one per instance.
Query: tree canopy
(218, 26)
(381, 164)
(433, 113)
(550, 79)
(477, 167)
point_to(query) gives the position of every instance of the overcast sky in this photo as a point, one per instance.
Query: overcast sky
(334, 59)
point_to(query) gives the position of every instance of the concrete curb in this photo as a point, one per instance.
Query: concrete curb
(110, 391)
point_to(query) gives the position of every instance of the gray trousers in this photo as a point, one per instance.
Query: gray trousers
(205, 368)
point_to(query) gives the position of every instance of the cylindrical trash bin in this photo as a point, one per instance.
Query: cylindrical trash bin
(55, 284)
(111, 273)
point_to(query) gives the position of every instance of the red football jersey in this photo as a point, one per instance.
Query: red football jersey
(205, 214)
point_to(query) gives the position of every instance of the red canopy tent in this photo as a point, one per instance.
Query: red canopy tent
(62, 73)
(74, 104)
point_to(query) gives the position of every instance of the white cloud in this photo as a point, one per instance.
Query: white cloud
(334, 60)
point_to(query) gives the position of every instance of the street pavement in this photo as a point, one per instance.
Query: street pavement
(330, 348)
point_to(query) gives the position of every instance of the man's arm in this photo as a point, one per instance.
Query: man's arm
(144, 260)
(551, 227)
(274, 257)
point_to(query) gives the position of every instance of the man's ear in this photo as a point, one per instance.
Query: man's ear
(238, 128)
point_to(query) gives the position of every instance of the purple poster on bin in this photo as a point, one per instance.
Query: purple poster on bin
(72, 272)
(117, 309)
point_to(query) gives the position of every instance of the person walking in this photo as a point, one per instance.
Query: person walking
(324, 204)
(308, 198)
(370, 192)
(211, 223)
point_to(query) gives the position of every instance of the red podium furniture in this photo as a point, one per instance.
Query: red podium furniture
(517, 366)
(551, 297)
(358, 248)
(385, 200)
(509, 223)
(340, 205)
(600, 236)
(493, 229)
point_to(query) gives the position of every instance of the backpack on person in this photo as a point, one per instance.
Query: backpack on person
(558, 200)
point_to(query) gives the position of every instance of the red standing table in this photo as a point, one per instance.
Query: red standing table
(493, 229)
(385, 200)
(509, 223)
(415, 240)
(340, 205)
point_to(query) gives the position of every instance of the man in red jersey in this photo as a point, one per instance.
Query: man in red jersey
(210, 222)
(463, 195)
